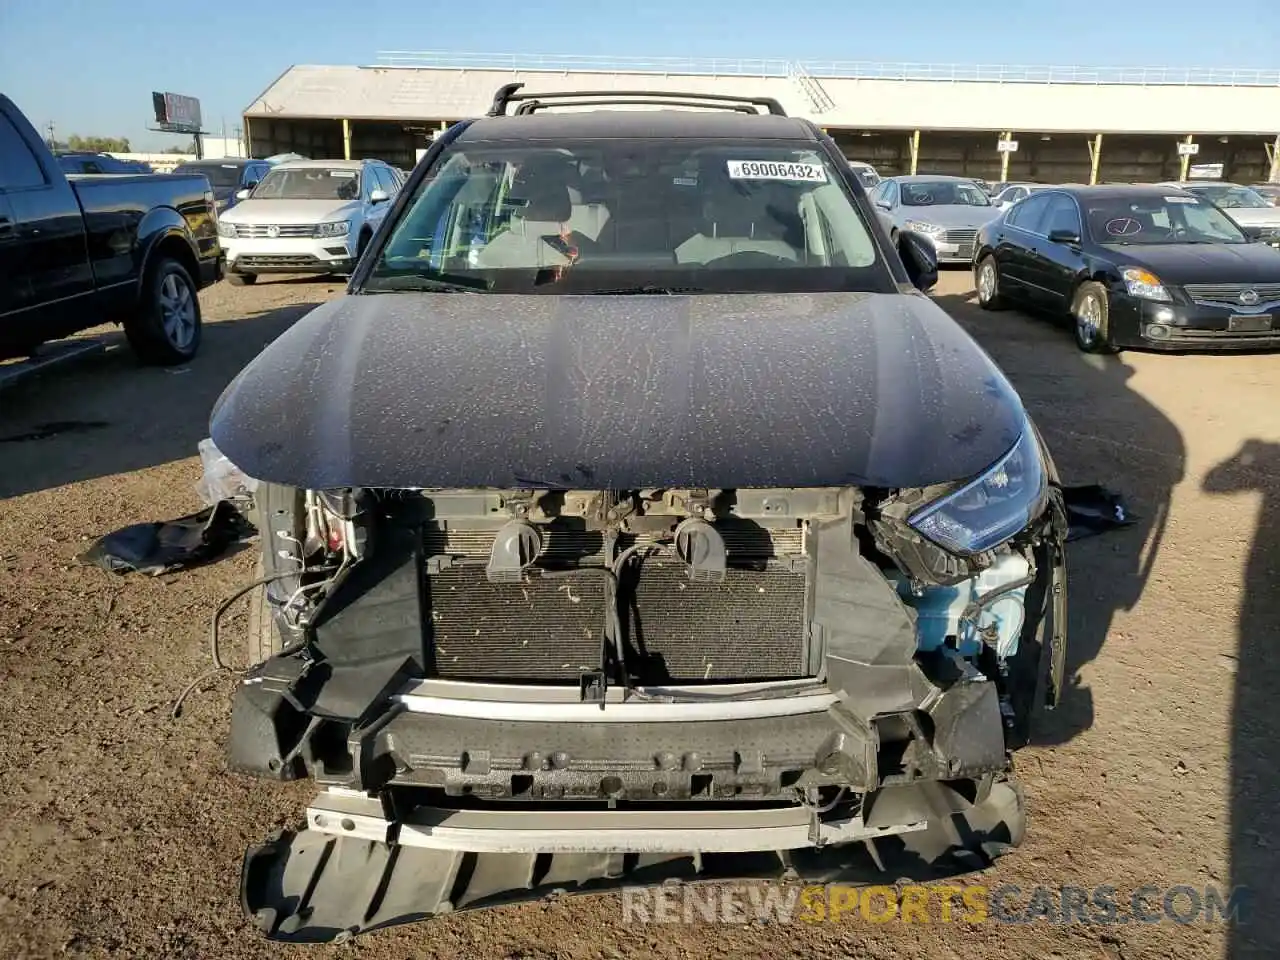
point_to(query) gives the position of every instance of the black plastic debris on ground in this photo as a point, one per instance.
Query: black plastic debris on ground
(156, 548)
(1093, 509)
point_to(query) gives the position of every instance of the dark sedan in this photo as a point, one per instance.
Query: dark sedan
(1133, 266)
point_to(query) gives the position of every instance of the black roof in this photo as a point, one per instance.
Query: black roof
(638, 124)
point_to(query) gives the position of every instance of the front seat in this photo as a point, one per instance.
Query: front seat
(536, 235)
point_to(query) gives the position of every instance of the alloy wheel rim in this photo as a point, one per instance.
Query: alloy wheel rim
(177, 311)
(987, 281)
(1089, 319)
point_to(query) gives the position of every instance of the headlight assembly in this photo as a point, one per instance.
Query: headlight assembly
(334, 228)
(989, 510)
(1144, 284)
(226, 229)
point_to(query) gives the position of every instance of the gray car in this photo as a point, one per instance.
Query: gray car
(1014, 192)
(947, 210)
(1245, 205)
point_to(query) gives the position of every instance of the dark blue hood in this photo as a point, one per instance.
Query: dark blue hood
(619, 392)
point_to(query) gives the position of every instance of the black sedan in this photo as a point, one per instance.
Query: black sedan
(1133, 266)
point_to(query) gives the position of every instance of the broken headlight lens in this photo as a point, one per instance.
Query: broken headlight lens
(989, 510)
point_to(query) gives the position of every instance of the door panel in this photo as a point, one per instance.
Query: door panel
(15, 287)
(1056, 265)
(47, 235)
(1016, 243)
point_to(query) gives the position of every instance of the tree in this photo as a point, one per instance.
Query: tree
(187, 149)
(97, 144)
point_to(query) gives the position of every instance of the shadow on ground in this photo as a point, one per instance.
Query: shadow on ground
(1255, 717)
(108, 415)
(1114, 437)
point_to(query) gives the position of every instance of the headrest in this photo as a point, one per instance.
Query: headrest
(543, 184)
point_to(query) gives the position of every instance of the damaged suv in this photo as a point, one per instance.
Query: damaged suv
(635, 516)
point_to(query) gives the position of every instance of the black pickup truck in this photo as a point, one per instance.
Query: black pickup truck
(80, 251)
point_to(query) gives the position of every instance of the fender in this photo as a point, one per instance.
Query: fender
(157, 227)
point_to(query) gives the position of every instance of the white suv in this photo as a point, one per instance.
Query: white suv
(307, 216)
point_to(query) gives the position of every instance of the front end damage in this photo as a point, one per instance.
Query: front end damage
(509, 693)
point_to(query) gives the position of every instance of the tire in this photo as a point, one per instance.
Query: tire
(1090, 318)
(265, 640)
(987, 283)
(276, 508)
(242, 279)
(165, 329)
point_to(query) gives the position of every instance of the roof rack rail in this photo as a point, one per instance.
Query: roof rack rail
(508, 94)
(532, 106)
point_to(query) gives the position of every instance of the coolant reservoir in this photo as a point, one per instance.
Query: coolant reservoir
(938, 609)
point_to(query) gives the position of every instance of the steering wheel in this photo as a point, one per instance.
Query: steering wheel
(747, 259)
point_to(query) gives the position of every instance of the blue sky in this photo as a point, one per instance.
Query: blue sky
(90, 65)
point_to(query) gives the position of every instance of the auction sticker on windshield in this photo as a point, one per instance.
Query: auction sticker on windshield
(777, 170)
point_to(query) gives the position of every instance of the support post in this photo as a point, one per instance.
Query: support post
(1004, 156)
(1185, 168)
(346, 139)
(1273, 154)
(915, 151)
(1095, 157)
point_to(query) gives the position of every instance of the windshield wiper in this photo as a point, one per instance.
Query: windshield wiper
(647, 289)
(421, 282)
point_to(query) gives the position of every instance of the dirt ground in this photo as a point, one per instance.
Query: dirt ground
(121, 832)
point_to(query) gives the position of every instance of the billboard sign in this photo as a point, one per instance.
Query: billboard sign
(176, 113)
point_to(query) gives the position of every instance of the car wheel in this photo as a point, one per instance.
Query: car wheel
(1091, 315)
(987, 282)
(242, 279)
(165, 328)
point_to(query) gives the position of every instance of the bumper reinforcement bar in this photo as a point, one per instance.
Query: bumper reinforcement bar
(598, 831)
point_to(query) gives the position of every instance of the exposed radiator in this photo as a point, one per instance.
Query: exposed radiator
(752, 626)
(539, 630)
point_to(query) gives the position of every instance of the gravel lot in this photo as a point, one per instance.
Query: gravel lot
(121, 831)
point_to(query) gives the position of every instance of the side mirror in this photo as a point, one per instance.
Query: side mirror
(242, 194)
(882, 204)
(1253, 233)
(251, 184)
(920, 259)
(378, 196)
(1068, 238)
